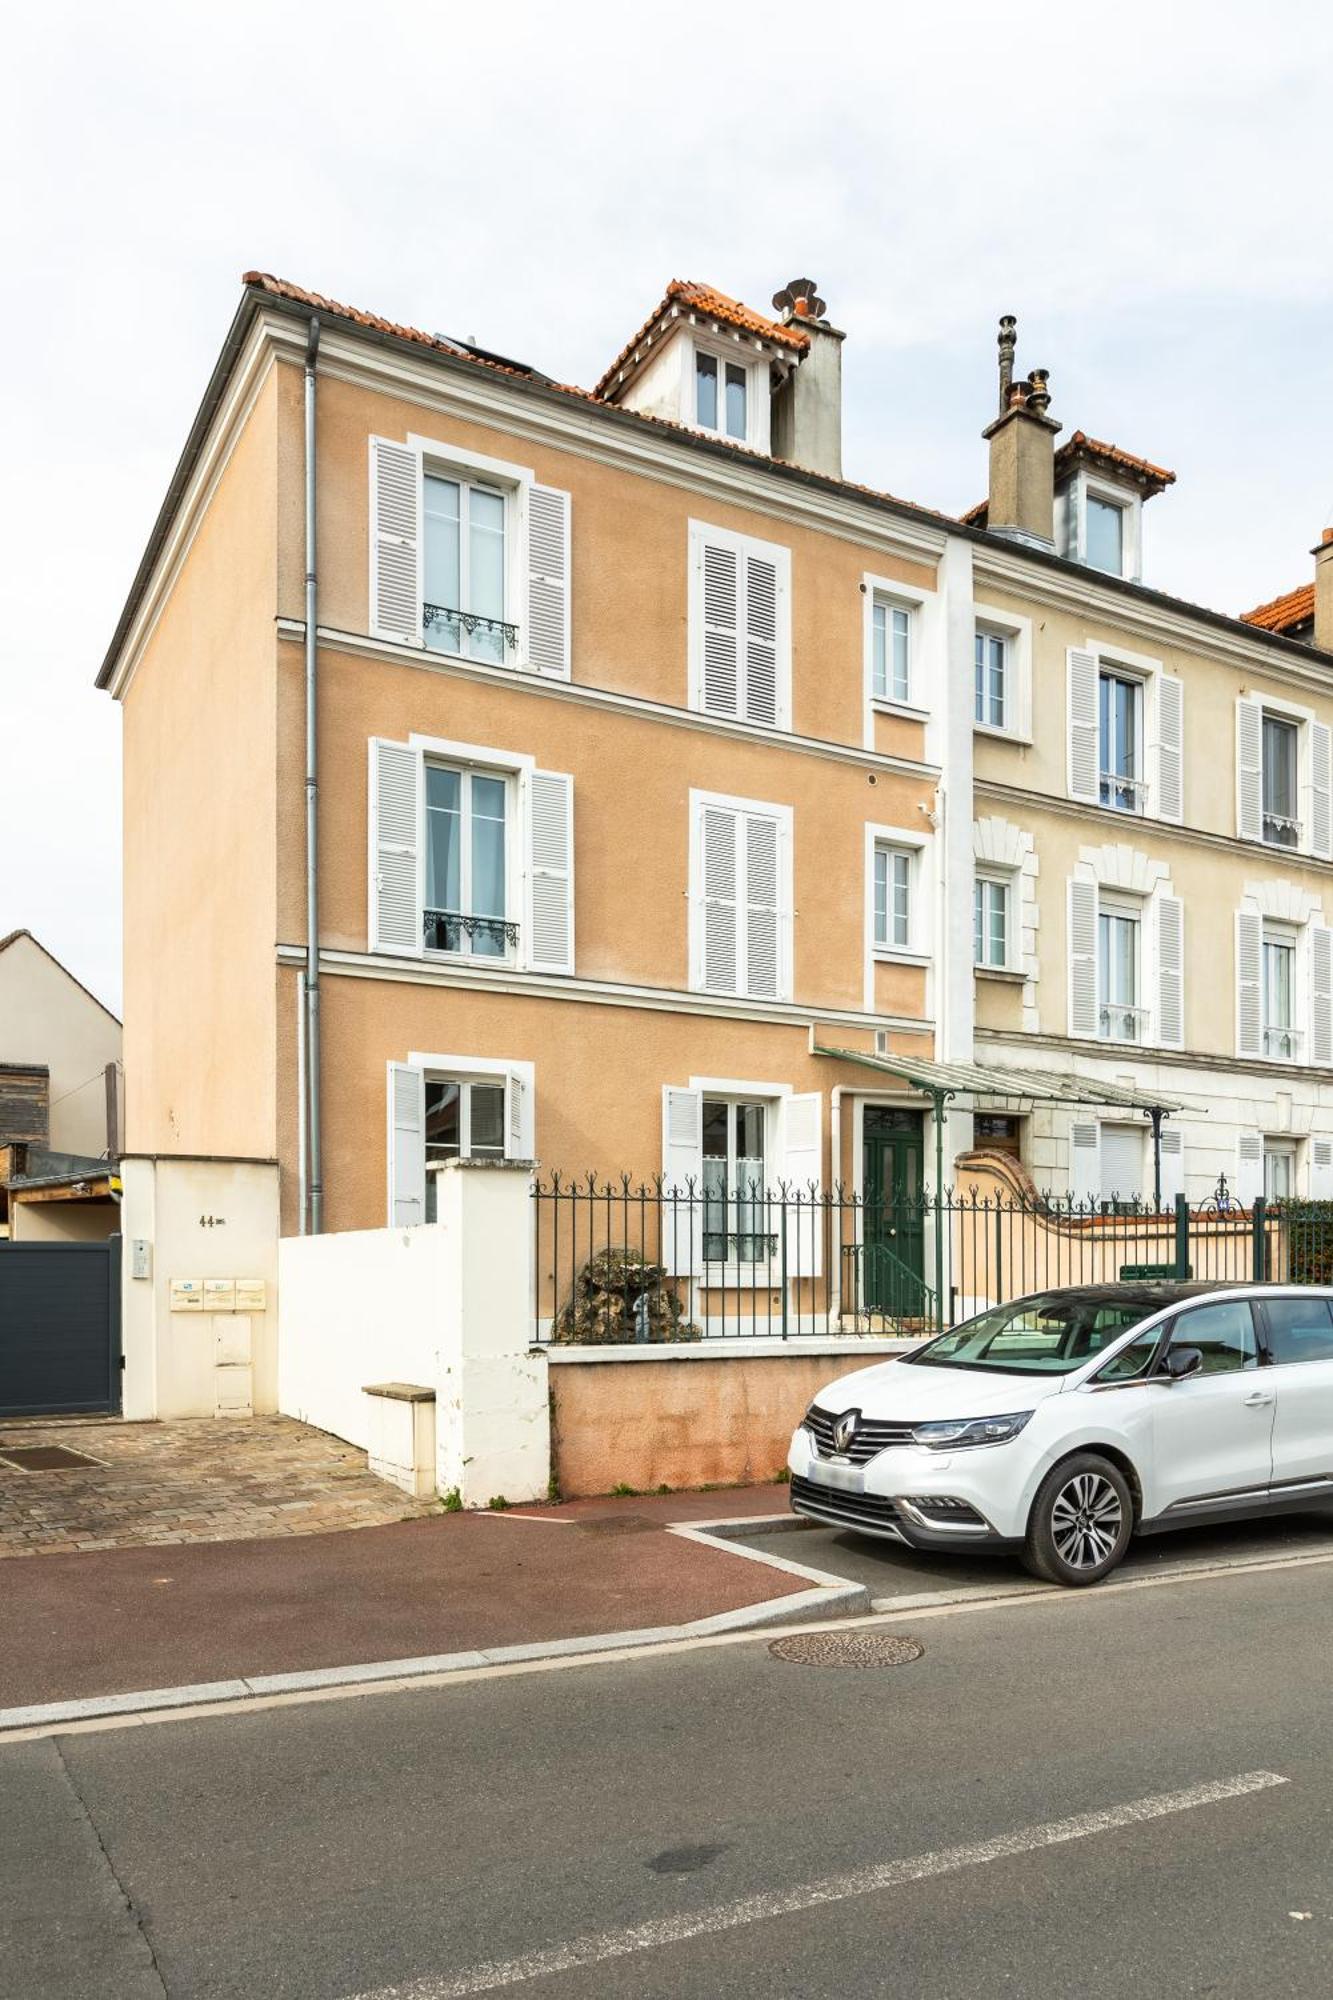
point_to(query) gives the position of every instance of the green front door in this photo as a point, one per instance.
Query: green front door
(893, 1240)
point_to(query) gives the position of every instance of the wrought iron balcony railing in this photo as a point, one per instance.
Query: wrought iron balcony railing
(1283, 1043)
(443, 615)
(1123, 1024)
(1124, 793)
(445, 930)
(1280, 830)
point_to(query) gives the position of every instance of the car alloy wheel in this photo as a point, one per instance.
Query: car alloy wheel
(1086, 1519)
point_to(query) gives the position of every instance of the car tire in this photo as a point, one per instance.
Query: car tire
(1081, 1522)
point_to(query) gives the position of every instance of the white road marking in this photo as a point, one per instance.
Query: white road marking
(599, 1946)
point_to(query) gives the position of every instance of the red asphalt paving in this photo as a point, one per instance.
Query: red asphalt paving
(127, 1620)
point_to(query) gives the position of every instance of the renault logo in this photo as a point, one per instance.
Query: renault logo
(844, 1429)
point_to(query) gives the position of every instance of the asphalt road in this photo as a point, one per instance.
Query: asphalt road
(678, 1809)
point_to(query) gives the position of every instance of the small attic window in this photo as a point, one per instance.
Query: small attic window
(1106, 535)
(721, 396)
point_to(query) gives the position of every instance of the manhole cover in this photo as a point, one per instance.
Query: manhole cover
(846, 1649)
(46, 1458)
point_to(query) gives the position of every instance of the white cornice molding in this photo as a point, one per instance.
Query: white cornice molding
(1083, 595)
(253, 368)
(1112, 822)
(515, 680)
(593, 992)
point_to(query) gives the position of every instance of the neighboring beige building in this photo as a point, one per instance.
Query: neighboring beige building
(655, 761)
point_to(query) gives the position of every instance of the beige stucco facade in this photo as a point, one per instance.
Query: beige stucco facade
(48, 1018)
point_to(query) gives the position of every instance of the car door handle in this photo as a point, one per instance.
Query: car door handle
(1258, 1401)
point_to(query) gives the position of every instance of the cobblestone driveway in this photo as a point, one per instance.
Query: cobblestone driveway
(195, 1481)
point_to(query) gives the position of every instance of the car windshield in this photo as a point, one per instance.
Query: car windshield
(1051, 1334)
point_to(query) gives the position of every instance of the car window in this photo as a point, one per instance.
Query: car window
(1131, 1360)
(1223, 1334)
(1299, 1329)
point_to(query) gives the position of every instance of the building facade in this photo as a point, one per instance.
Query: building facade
(680, 804)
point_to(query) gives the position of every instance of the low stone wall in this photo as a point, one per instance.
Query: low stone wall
(647, 1417)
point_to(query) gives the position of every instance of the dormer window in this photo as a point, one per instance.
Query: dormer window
(1105, 535)
(721, 396)
(1099, 496)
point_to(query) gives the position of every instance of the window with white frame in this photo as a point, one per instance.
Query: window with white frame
(1120, 741)
(1100, 523)
(1281, 793)
(891, 635)
(721, 395)
(740, 897)
(893, 896)
(1120, 1016)
(991, 694)
(1104, 530)
(990, 921)
(1126, 733)
(464, 568)
(1279, 1169)
(1284, 776)
(451, 1107)
(465, 1120)
(468, 815)
(735, 1177)
(1281, 1035)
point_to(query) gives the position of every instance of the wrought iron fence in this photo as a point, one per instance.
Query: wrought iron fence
(626, 1261)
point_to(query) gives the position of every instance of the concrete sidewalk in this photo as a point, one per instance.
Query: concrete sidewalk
(123, 1620)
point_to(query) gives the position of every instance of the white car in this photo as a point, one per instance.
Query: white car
(1064, 1423)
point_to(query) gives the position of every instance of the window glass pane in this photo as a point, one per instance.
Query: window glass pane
(1280, 748)
(487, 1112)
(989, 665)
(1278, 1172)
(879, 659)
(1223, 1333)
(443, 1120)
(715, 1129)
(440, 559)
(901, 641)
(881, 896)
(488, 861)
(735, 401)
(443, 839)
(1131, 1360)
(1106, 536)
(486, 570)
(998, 654)
(705, 386)
(979, 922)
(979, 686)
(1299, 1330)
(901, 893)
(749, 1145)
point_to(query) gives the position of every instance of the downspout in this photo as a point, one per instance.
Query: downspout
(314, 1218)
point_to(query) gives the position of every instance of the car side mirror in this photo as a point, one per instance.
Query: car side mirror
(1182, 1361)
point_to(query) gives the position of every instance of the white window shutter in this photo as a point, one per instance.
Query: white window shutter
(802, 1180)
(1082, 958)
(549, 915)
(395, 541)
(1249, 769)
(761, 639)
(763, 914)
(718, 917)
(682, 1178)
(519, 1143)
(395, 814)
(1321, 1169)
(1170, 801)
(1170, 971)
(720, 645)
(1249, 1181)
(1084, 1161)
(1249, 972)
(1321, 816)
(1321, 995)
(407, 1145)
(1173, 1165)
(548, 634)
(1084, 732)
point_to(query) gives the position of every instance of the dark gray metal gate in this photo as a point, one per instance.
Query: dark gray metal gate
(59, 1328)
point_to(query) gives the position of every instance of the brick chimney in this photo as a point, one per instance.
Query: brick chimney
(1323, 592)
(807, 406)
(1022, 452)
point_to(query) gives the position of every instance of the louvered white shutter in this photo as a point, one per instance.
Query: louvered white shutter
(1249, 1181)
(1321, 995)
(802, 1179)
(1082, 958)
(518, 1117)
(395, 903)
(395, 541)
(1321, 821)
(682, 1179)
(720, 649)
(1249, 769)
(763, 913)
(550, 872)
(1170, 799)
(407, 1145)
(548, 634)
(761, 639)
(1084, 732)
(1084, 1161)
(1249, 972)
(1170, 913)
(1321, 1169)
(717, 920)
(1173, 1165)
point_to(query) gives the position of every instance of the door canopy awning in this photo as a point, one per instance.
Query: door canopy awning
(945, 1080)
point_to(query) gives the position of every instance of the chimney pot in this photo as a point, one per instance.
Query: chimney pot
(1021, 500)
(807, 400)
(1323, 591)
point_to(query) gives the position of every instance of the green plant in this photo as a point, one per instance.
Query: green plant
(452, 1501)
(664, 1488)
(623, 1492)
(553, 1488)
(497, 1503)
(782, 1478)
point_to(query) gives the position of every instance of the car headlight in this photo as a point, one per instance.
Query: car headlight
(954, 1433)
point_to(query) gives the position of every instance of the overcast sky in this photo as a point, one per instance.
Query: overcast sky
(1146, 187)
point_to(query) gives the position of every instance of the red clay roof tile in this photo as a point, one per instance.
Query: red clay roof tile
(712, 304)
(1079, 445)
(1296, 607)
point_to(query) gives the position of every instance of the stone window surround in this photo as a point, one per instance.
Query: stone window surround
(1002, 848)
